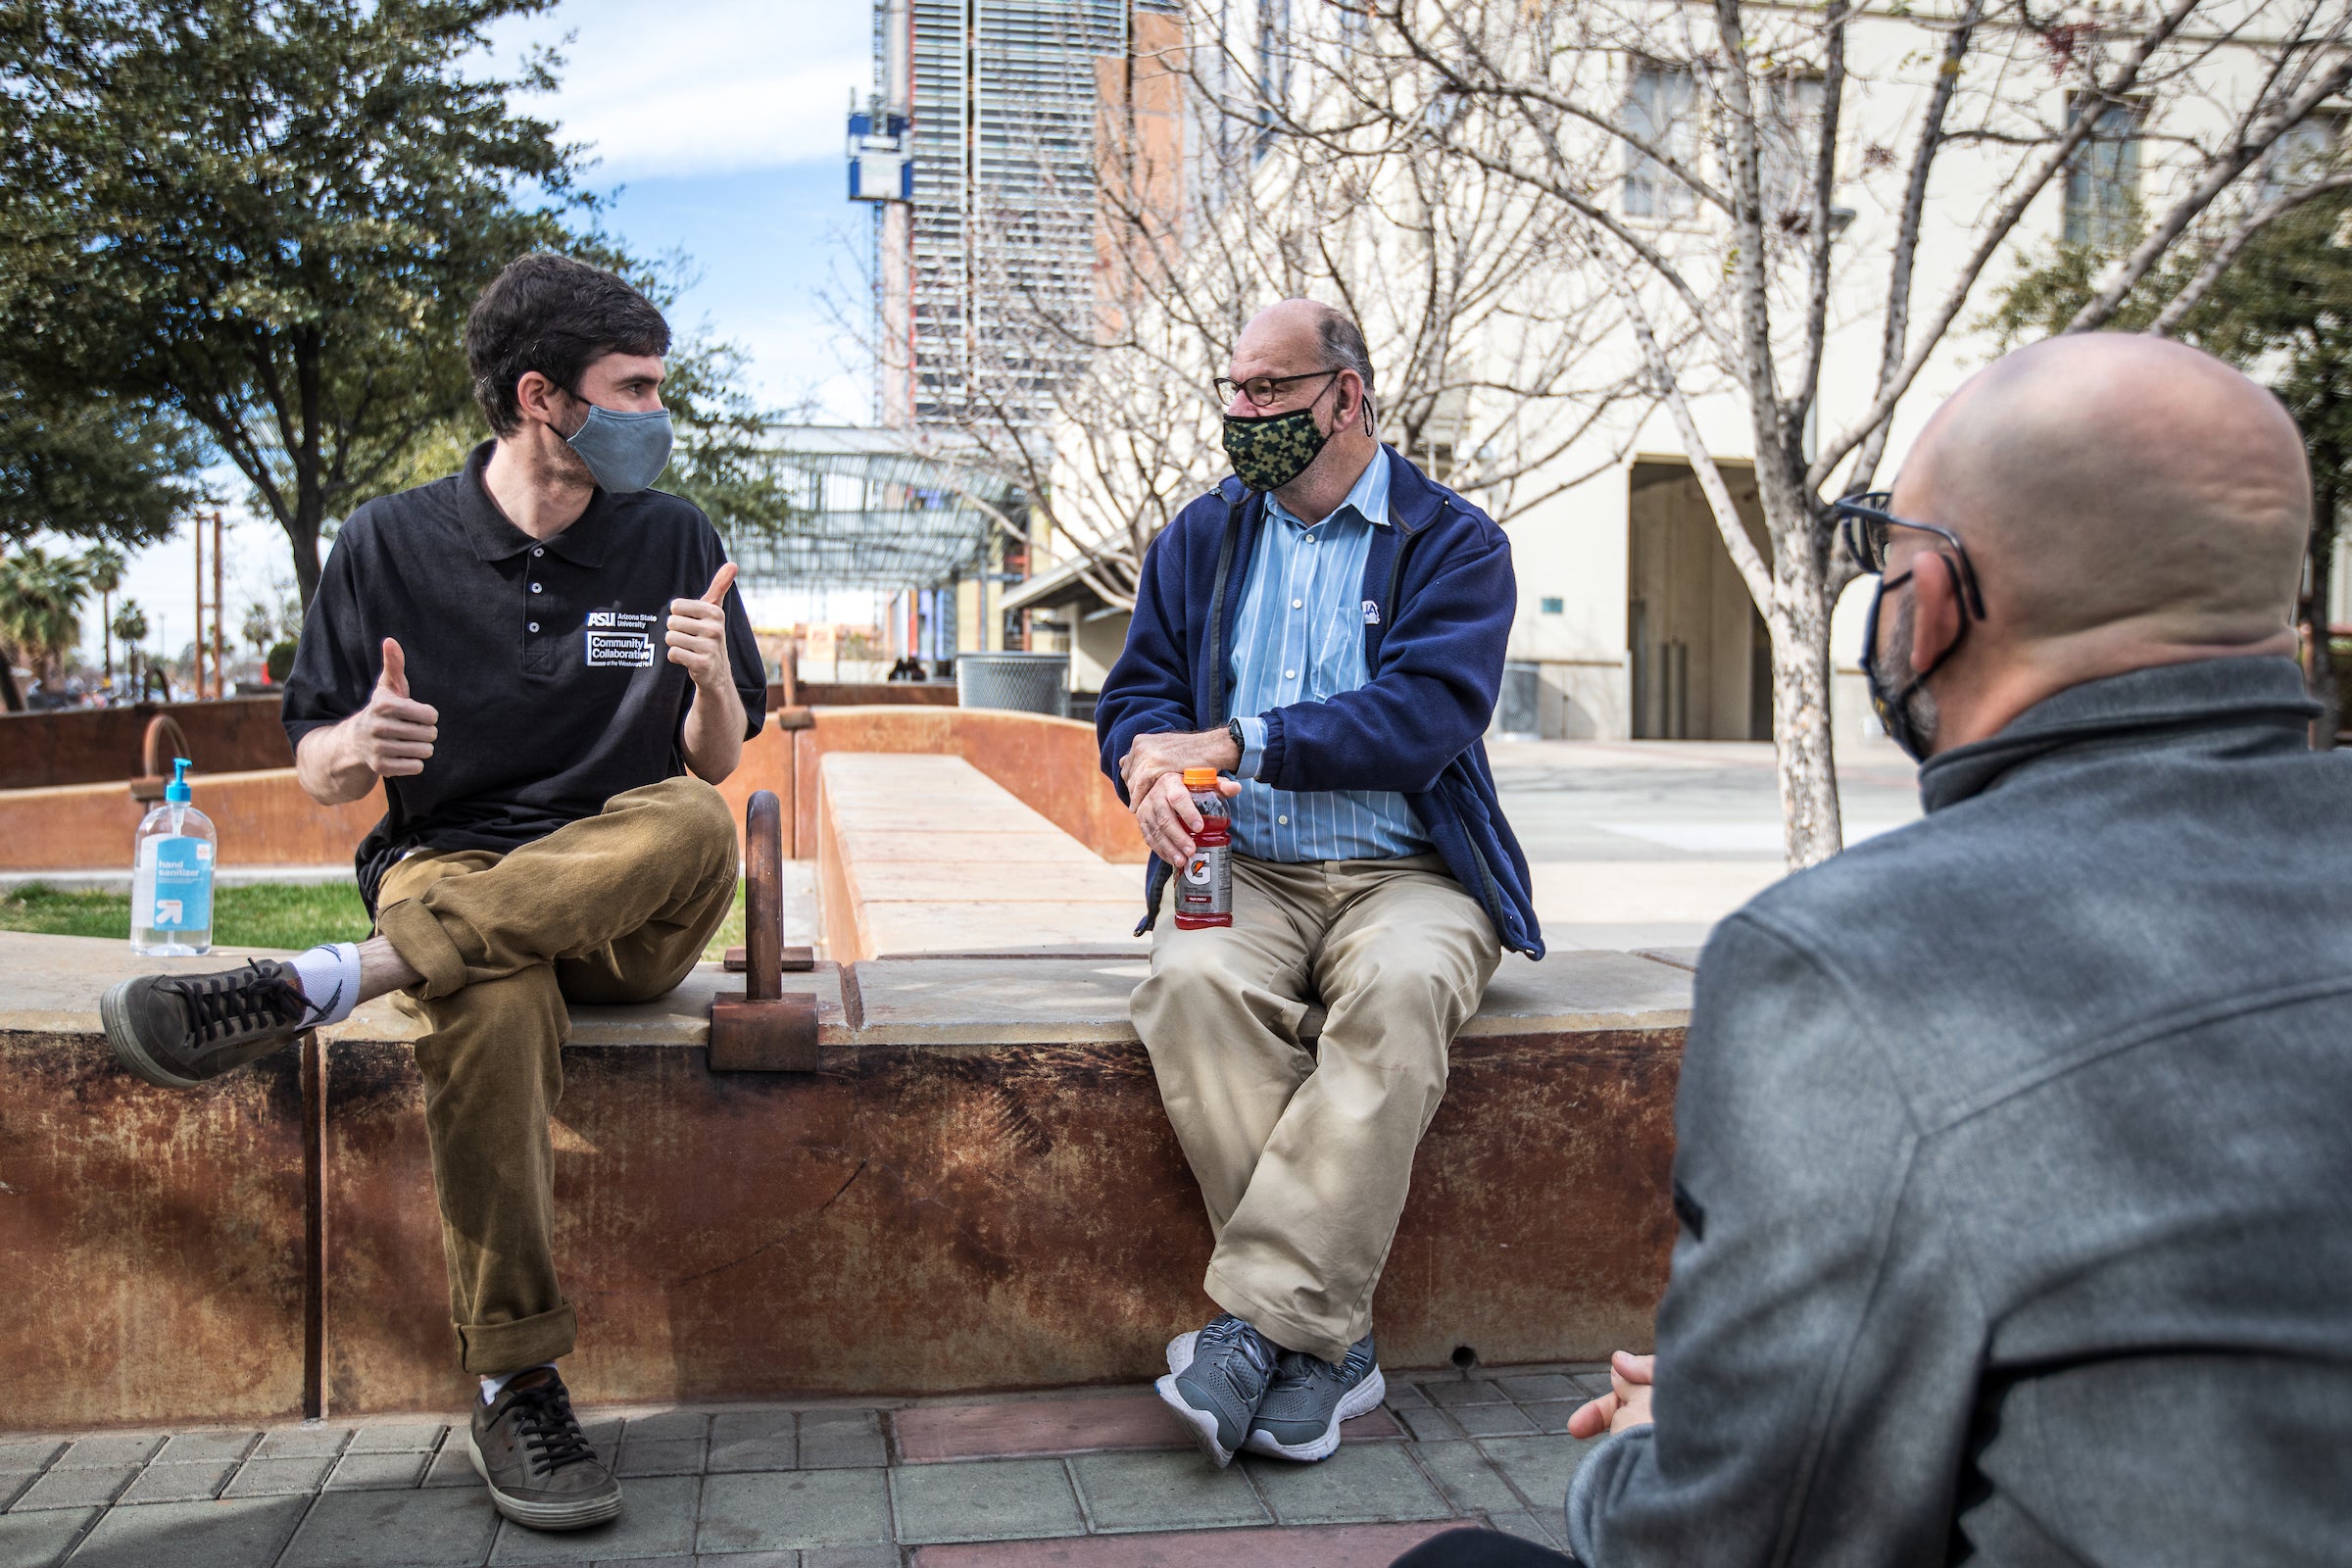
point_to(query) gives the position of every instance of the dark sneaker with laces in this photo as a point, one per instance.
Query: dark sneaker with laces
(528, 1448)
(179, 1030)
(1216, 1389)
(1300, 1417)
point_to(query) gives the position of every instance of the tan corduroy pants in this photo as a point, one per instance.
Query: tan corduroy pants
(1305, 1159)
(613, 909)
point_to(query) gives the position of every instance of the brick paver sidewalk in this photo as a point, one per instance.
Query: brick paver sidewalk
(1090, 1481)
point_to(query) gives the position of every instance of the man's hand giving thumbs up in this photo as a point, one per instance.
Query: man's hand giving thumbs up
(712, 739)
(698, 632)
(392, 737)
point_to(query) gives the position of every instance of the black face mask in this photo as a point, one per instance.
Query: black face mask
(1894, 704)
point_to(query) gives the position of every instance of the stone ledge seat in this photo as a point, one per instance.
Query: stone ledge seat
(977, 1192)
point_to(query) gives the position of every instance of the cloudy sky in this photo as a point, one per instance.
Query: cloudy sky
(716, 130)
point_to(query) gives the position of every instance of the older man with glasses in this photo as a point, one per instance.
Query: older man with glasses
(1328, 629)
(2011, 1165)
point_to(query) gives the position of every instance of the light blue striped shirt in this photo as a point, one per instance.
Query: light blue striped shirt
(1300, 638)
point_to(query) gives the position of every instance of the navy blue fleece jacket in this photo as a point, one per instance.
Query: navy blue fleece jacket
(1442, 595)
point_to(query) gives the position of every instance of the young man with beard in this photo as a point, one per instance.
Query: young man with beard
(543, 661)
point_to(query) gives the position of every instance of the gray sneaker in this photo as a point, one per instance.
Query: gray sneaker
(1300, 1417)
(179, 1030)
(527, 1447)
(1226, 1367)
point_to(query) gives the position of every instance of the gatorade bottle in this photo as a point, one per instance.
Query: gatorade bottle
(1205, 891)
(172, 880)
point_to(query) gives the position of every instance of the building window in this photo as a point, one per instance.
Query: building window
(1661, 110)
(1785, 150)
(2102, 178)
(1552, 605)
(2303, 153)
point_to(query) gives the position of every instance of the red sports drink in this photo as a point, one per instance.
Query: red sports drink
(1204, 888)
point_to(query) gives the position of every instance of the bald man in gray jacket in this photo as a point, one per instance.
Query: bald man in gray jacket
(2014, 1148)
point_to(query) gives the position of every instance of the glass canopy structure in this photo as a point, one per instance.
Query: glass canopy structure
(866, 508)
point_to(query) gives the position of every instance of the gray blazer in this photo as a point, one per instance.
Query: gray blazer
(2015, 1168)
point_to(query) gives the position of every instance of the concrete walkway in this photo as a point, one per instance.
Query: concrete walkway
(1093, 1481)
(1642, 844)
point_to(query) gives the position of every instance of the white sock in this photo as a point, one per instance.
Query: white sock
(491, 1386)
(330, 981)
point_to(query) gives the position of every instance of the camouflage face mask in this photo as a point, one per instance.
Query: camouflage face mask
(1271, 450)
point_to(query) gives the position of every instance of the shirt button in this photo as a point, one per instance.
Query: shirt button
(534, 625)
(1298, 603)
(539, 550)
(1289, 674)
(1281, 821)
(1310, 538)
(534, 587)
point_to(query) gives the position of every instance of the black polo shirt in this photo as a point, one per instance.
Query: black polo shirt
(545, 657)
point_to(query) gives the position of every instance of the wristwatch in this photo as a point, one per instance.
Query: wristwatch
(1240, 741)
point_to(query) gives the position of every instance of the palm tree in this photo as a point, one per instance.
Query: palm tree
(40, 607)
(130, 624)
(101, 569)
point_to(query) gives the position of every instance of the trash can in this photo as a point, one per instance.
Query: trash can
(1519, 716)
(1025, 683)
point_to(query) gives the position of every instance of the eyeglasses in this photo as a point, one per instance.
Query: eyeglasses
(1864, 524)
(1262, 390)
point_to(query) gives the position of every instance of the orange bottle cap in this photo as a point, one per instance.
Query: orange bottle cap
(1199, 778)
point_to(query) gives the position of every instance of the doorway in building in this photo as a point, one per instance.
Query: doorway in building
(1701, 657)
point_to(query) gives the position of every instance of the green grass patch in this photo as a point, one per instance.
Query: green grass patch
(268, 915)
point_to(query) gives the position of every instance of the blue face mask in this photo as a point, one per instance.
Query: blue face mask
(624, 452)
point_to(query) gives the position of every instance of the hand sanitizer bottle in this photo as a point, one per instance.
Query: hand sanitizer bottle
(171, 881)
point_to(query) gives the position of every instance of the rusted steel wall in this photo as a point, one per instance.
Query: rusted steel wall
(861, 694)
(915, 1219)
(978, 1189)
(153, 1242)
(912, 1221)
(97, 745)
(766, 765)
(264, 818)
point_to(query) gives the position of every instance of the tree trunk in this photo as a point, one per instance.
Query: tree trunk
(1799, 623)
(302, 534)
(10, 699)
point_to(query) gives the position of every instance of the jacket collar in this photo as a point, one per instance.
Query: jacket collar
(1414, 503)
(2207, 693)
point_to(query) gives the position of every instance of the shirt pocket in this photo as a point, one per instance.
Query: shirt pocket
(1335, 659)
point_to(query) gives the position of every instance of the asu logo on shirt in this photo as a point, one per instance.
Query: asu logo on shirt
(619, 640)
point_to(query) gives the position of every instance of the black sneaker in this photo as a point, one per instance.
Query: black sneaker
(527, 1447)
(179, 1030)
(1216, 1389)
(1300, 1417)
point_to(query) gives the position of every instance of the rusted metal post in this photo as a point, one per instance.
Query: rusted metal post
(219, 665)
(196, 653)
(763, 1030)
(764, 898)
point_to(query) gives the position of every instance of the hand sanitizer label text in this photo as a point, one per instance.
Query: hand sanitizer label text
(183, 884)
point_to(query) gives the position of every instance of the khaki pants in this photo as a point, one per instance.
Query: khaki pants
(1305, 1159)
(613, 908)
